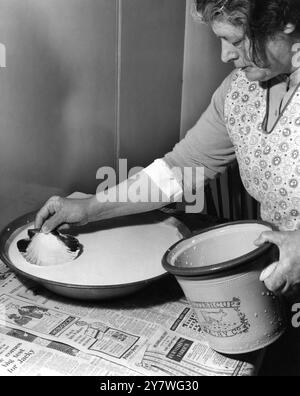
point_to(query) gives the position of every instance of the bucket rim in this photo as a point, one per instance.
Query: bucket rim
(220, 268)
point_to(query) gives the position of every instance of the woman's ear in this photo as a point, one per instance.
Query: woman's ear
(289, 28)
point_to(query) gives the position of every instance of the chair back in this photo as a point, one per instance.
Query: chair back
(226, 197)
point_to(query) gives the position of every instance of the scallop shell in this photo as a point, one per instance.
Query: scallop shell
(49, 249)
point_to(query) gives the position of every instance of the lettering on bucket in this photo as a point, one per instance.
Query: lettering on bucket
(222, 319)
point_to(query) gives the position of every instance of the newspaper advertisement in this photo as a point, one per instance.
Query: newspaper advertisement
(152, 334)
(23, 354)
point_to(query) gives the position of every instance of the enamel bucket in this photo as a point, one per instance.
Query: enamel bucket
(219, 271)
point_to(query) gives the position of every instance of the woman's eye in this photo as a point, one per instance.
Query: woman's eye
(237, 43)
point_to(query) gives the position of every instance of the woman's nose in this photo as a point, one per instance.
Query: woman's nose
(229, 52)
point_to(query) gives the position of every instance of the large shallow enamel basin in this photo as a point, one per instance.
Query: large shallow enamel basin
(120, 256)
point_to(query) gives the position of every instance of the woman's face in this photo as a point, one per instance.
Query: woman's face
(236, 49)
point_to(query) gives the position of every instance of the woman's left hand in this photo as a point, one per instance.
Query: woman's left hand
(283, 277)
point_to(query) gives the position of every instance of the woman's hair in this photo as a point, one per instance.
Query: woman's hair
(261, 19)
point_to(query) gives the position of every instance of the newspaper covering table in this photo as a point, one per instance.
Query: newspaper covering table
(152, 333)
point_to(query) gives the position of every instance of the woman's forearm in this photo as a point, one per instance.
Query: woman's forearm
(123, 200)
(102, 211)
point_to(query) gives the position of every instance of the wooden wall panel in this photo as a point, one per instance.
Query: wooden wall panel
(57, 102)
(203, 69)
(152, 47)
(87, 82)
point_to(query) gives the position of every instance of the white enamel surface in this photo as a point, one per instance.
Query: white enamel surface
(219, 246)
(111, 257)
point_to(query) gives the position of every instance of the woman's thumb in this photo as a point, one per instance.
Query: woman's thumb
(268, 272)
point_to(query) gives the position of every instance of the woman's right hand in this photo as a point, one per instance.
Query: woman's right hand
(59, 211)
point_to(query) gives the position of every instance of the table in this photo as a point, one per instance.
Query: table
(152, 332)
(159, 296)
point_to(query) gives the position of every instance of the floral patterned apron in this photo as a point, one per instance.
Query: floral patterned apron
(269, 162)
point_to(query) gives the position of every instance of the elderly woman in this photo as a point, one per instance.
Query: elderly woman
(254, 117)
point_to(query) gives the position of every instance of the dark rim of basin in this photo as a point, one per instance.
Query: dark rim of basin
(22, 221)
(220, 268)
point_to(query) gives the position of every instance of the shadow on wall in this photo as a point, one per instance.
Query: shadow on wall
(57, 92)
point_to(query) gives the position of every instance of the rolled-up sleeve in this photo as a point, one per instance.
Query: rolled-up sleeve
(207, 144)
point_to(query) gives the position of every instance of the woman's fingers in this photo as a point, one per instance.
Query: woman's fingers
(51, 207)
(272, 276)
(276, 282)
(41, 216)
(51, 224)
(60, 212)
(64, 227)
(275, 277)
(284, 276)
(268, 272)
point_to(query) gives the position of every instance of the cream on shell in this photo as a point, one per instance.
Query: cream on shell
(49, 249)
